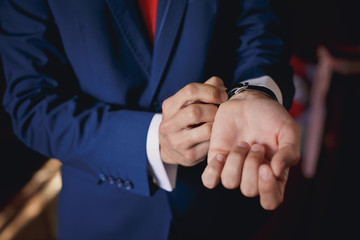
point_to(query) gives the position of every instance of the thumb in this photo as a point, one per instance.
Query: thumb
(288, 153)
(284, 158)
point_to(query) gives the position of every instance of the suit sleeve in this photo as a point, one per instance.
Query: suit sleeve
(262, 50)
(52, 115)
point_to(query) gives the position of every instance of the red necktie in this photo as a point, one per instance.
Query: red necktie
(148, 11)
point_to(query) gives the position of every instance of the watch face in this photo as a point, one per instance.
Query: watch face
(239, 87)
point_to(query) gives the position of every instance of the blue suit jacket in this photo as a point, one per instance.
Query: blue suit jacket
(83, 83)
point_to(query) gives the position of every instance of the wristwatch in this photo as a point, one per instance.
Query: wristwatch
(241, 86)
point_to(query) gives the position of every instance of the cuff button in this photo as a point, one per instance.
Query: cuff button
(128, 185)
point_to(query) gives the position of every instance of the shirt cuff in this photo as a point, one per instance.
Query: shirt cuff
(269, 83)
(164, 175)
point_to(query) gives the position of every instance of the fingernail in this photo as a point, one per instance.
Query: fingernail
(243, 145)
(265, 173)
(257, 148)
(220, 157)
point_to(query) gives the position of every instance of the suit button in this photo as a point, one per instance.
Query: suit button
(102, 178)
(111, 179)
(119, 183)
(128, 185)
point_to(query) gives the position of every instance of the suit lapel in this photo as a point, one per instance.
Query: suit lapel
(129, 24)
(170, 17)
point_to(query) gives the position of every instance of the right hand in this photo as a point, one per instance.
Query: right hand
(188, 116)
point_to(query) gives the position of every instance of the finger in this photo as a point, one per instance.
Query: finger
(192, 93)
(217, 82)
(192, 144)
(231, 174)
(195, 155)
(196, 114)
(288, 153)
(284, 158)
(190, 117)
(249, 180)
(270, 195)
(212, 172)
(190, 138)
(204, 93)
(198, 134)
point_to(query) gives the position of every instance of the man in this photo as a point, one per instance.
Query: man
(86, 81)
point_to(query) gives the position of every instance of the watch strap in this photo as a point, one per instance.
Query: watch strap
(242, 86)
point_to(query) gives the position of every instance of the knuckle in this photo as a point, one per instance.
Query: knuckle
(216, 79)
(166, 104)
(189, 158)
(164, 127)
(207, 128)
(214, 94)
(194, 112)
(190, 89)
(212, 171)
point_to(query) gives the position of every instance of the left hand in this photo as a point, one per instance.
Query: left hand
(253, 143)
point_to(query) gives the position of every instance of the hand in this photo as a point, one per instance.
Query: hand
(253, 143)
(188, 116)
